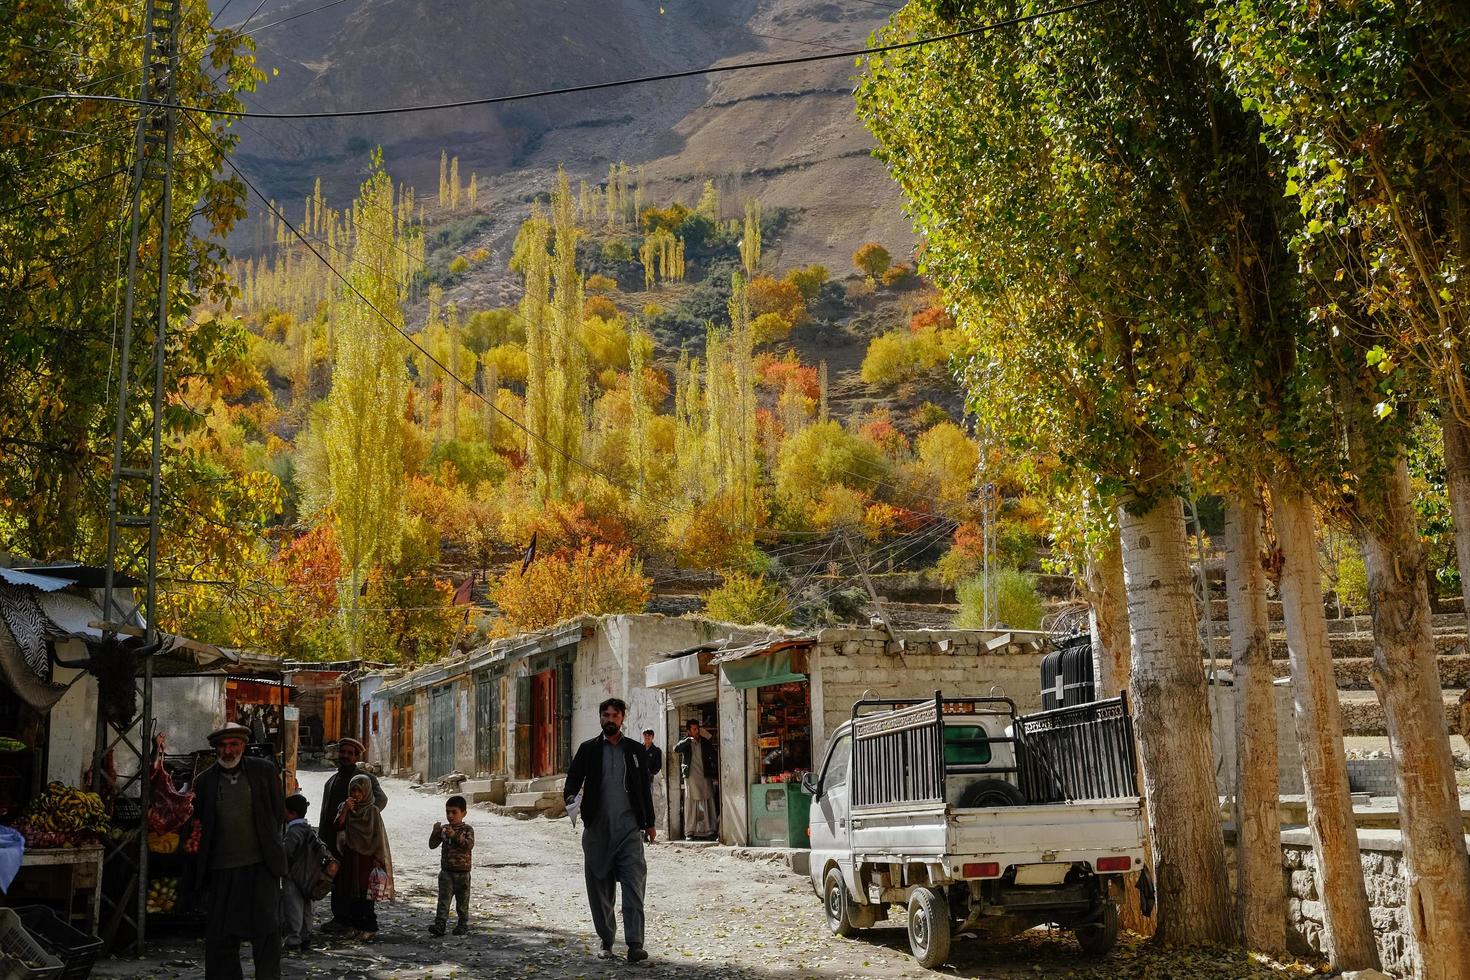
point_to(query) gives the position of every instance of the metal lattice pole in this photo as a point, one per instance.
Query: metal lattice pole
(134, 486)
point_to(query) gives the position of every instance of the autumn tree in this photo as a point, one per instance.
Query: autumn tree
(363, 433)
(871, 259)
(594, 580)
(750, 238)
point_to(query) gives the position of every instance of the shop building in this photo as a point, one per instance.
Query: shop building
(777, 697)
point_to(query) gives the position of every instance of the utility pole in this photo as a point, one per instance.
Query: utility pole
(134, 487)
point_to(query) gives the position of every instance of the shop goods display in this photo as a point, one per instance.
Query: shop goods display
(196, 833)
(170, 808)
(63, 816)
(163, 895)
(163, 843)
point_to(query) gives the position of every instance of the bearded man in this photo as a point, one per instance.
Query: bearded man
(334, 794)
(241, 806)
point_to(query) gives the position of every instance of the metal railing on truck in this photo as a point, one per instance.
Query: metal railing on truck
(1076, 753)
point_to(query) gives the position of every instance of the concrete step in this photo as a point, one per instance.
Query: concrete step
(1349, 645)
(533, 801)
(541, 784)
(489, 790)
(1355, 673)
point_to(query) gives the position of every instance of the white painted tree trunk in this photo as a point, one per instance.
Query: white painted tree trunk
(1406, 676)
(1173, 724)
(1261, 892)
(1457, 486)
(1107, 595)
(1319, 731)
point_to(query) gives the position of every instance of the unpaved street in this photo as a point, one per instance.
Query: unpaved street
(709, 915)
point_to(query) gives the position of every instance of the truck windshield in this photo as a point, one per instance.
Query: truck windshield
(966, 745)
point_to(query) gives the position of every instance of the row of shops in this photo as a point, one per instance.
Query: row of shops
(508, 716)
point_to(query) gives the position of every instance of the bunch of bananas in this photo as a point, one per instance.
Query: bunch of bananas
(163, 843)
(63, 809)
(163, 895)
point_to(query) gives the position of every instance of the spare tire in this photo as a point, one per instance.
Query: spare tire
(991, 793)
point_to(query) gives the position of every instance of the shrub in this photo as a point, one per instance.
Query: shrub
(899, 356)
(1017, 603)
(747, 599)
(928, 415)
(458, 265)
(931, 318)
(600, 307)
(473, 462)
(770, 327)
(486, 328)
(872, 259)
(776, 373)
(769, 295)
(897, 276)
(479, 255)
(601, 284)
(809, 280)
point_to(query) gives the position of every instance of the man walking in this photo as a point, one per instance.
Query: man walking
(334, 794)
(240, 805)
(611, 774)
(699, 769)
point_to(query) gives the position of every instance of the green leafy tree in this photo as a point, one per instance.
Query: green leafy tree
(743, 598)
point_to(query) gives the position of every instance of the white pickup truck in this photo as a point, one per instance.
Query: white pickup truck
(977, 820)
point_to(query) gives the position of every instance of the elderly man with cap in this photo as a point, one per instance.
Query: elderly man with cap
(334, 794)
(241, 805)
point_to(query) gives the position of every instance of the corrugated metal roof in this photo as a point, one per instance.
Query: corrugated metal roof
(19, 577)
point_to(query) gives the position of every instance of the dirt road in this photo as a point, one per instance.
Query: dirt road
(709, 915)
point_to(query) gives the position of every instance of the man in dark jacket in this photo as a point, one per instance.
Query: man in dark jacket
(241, 805)
(654, 753)
(611, 774)
(334, 794)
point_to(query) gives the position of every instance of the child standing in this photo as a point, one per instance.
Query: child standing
(295, 902)
(455, 862)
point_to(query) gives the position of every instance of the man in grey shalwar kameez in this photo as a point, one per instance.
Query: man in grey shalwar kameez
(610, 773)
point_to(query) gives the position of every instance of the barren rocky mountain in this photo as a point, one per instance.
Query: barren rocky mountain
(787, 135)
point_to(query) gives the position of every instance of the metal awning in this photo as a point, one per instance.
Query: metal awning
(762, 665)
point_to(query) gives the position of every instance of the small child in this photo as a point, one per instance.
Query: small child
(455, 862)
(295, 902)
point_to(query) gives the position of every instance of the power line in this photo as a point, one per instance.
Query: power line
(65, 190)
(589, 87)
(285, 20)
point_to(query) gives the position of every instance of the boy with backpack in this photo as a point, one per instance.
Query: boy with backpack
(305, 867)
(455, 862)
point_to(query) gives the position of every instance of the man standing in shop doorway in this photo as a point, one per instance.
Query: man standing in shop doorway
(610, 774)
(699, 771)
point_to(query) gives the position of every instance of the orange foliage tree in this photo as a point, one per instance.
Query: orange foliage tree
(594, 580)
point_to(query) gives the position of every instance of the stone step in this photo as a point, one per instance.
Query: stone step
(541, 784)
(1450, 617)
(532, 801)
(1363, 715)
(1349, 645)
(1355, 673)
(485, 790)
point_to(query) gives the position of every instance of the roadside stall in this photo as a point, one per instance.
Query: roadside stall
(781, 737)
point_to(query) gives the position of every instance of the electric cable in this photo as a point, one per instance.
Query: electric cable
(584, 88)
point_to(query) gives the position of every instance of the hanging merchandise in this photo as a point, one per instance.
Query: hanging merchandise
(169, 809)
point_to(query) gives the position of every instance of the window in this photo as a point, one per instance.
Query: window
(966, 745)
(835, 774)
(375, 723)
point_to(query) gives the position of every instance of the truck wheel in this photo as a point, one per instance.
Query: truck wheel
(991, 793)
(835, 903)
(929, 927)
(1098, 938)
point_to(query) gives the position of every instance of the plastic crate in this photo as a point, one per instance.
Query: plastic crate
(21, 957)
(76, 950)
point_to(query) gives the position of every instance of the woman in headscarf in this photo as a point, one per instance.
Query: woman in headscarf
(363, 841)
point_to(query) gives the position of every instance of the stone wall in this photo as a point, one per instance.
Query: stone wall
(1372, 776)
(847, 664)
(1382, 857)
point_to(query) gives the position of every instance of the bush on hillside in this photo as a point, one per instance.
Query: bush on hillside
(1017, 604)
(747, 599)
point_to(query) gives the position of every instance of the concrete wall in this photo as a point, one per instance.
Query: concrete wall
(1288, 748)
(187, 708)
(611, 663)
(846, 664)
(735, 763)
(380, 743)
(1382, 857)
(464, 725)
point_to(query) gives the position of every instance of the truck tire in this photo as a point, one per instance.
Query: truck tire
(929, 927)
(991, 793)
(1098, 938)
(835, 903)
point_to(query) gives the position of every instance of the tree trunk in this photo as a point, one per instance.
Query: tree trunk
(1405, 674)
(1112, 666)
(1173, 724)
(1261, 893)
(1457, 485)
(1108, 616)
(1349, 931)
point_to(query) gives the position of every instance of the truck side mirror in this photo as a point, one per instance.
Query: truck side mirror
(809, 783)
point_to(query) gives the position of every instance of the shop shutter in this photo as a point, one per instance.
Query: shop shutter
(702, 691)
